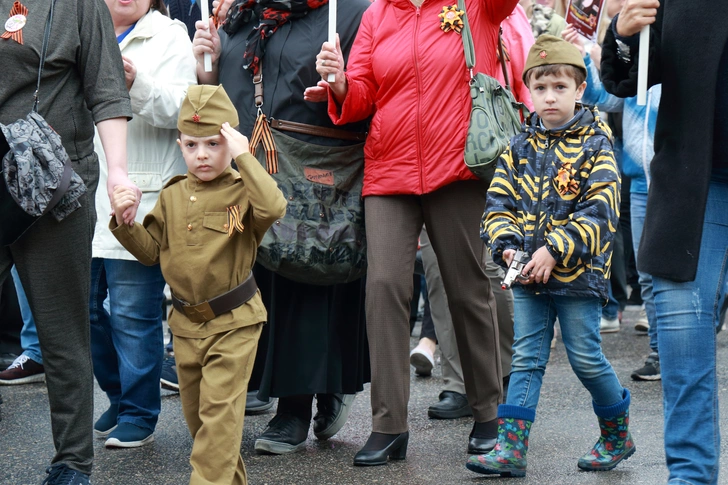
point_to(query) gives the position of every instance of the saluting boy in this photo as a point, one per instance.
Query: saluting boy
(555, 195)
(204, 232)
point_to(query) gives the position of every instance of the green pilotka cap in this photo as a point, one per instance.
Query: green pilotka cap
(204, 110)
(549, 49)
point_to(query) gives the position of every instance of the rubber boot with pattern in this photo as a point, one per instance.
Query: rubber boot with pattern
(615, 443)
(508, 458)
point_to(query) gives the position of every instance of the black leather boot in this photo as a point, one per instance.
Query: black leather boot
(483, 437)
(380, 446)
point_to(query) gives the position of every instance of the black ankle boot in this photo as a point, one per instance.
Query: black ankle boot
(380, 446)
(483, 437)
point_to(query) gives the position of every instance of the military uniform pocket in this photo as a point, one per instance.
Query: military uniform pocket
(217, 221)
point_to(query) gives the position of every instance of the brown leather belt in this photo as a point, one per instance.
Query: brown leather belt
(208, 310)
(316, 130)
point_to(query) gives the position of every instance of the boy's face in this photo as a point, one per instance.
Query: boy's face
(206, 157)
(554, 98)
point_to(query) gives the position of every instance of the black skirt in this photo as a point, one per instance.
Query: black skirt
(315, 340)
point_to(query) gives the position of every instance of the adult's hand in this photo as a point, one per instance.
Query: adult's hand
(130, 72)
(636, 14)
(223, 6)
(331, 61)
(206, 41)
(118, 178)
(318, 93)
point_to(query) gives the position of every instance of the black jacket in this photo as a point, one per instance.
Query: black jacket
(686, 44)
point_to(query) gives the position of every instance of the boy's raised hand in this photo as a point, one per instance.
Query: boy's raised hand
(540, 267)
(122, 198)
(237, 142)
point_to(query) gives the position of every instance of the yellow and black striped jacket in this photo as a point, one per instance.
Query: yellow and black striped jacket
(558, 188)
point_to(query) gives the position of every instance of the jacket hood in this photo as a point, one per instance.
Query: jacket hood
(587, 121)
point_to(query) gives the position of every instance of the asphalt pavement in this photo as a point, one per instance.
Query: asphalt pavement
(565, 428)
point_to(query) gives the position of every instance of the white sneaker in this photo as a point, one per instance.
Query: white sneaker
(609, 326)
(422, 360)
(642, 324)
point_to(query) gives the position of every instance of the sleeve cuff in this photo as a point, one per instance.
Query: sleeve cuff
(140, 91)
(633, 41)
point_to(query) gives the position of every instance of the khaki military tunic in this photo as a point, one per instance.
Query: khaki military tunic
(187, 233)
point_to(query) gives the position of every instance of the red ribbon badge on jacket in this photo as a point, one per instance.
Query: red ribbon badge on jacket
(14, 25)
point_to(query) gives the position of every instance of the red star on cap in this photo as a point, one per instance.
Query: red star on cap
(543, 55)
(196, 118)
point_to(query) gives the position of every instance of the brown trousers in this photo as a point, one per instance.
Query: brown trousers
(213, 381)
(452, 216)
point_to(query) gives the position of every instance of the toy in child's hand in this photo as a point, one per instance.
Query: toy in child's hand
(519, 261)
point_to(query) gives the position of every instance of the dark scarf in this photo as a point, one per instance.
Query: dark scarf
(271, 15)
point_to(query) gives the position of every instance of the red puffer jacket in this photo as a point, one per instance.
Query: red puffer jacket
(411, 76)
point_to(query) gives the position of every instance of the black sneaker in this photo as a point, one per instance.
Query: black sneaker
(168, 378)
(60, 474)
(333, 410)
(650, 371)
(285, 433)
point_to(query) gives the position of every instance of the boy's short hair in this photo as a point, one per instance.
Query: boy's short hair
(553, 51)
(538, 72)
(204, 110)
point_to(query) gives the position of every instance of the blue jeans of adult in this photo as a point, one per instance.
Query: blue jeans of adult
(688, 315)
(127, 344)
(29, 334)
(579, 318)
(638, 203)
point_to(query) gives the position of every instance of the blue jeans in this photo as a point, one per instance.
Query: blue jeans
(687, 319)
(579, 319)
(638, 208)
(127, 344)
(611, 309)
(29, 334)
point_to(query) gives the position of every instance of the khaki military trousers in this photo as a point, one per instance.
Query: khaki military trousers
(213, 377)
(452, 215)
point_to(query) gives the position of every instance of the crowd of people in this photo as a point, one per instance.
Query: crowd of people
(595, 190)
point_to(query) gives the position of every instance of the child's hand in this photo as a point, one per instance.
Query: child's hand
(508, 256)
(237, 142)
(122, 198)
(540, 267)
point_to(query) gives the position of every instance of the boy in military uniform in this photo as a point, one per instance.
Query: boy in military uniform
(204, 231)
(555, 196)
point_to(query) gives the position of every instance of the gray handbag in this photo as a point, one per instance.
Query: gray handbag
(36, 170)
(494, 118)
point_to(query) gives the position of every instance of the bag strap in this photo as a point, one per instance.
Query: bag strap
(43, 52)
(294, 126)
(469, 46)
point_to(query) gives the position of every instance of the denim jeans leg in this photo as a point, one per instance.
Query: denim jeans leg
(136, 293)
(638, 211)
(534, 317)
(687, 317)
(579, 319)
(103, 352)
(29, 334)
(611, 309)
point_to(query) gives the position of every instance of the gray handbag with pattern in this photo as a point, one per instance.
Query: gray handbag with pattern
(36, 177)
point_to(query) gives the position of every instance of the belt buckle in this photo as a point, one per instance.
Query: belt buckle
(199, 313)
